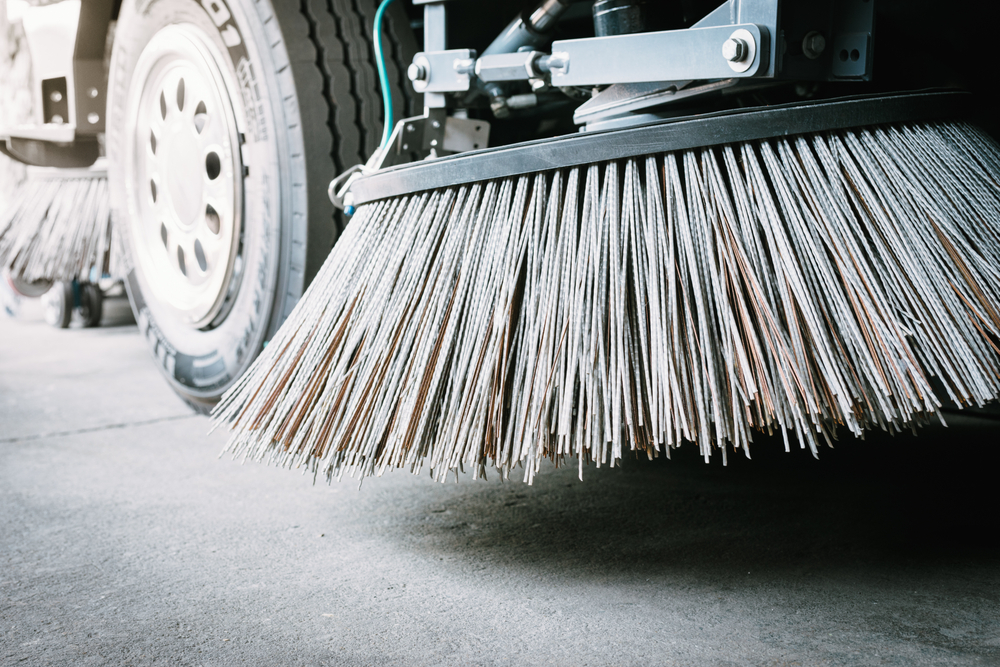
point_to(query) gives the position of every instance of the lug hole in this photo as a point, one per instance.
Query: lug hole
(152, 142)
(213, 165)
(152, 189)
(180, 260)
(163, 107)
(180, 95)
(212, 219)
(200, 117)
(199, 254)
(163, 234)
(855, 55)
(844, 56)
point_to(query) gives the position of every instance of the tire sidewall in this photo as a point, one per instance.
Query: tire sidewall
(202, 363)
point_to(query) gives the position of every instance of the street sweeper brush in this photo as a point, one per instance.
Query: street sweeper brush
(790, 269)
(58, 227)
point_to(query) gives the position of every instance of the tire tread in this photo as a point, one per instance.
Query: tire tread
(342, 110)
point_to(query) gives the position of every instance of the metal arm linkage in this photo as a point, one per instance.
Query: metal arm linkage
(742, 43)
(739, 40)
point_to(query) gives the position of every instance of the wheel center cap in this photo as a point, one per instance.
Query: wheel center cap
(184, 183)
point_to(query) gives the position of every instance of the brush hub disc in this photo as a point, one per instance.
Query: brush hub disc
(676, 134)
(185, 174)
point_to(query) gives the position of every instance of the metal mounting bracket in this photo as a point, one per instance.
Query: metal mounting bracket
(433, 135)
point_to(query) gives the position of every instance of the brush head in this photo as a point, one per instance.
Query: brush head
(792, 285)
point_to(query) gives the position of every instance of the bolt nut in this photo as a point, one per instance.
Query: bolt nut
(734, 50)
(740, 50)
(92, 118)
(416, 72)
(55, 96)
(813, 45)
(93, 92)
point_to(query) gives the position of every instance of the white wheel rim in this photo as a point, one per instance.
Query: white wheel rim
(184, 175)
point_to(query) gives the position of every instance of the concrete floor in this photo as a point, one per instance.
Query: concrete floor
(124, 539)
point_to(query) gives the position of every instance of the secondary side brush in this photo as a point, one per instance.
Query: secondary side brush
(58, 227)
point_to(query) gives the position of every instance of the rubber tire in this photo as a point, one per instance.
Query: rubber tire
(91, 304)
(319, 107)
(58, 303)
(27, 290)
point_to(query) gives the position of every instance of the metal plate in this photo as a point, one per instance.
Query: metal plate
(671, 135)
(670, 55)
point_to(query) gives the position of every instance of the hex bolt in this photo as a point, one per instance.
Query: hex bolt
(734, 50)
(813, 45)
(416, 72)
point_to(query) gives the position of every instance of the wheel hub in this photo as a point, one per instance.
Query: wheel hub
(185, 180)
(180, 161)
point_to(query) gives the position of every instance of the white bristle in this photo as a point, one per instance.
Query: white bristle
(795, 285)
(60, 229)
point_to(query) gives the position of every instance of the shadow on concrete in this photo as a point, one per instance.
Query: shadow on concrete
(884, 501)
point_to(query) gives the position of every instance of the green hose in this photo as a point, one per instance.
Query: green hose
(383, 76)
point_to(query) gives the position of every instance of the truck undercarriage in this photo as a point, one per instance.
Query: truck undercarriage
(234, 131)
